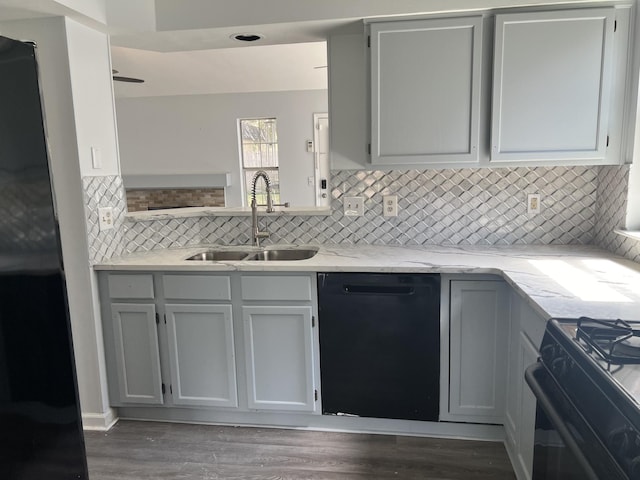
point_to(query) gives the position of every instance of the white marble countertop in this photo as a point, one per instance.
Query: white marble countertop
(558, 281)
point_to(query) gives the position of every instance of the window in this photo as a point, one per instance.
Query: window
(259, 151)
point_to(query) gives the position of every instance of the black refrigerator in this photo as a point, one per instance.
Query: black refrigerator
(40, 425)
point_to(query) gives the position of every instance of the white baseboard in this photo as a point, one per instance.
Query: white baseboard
(99, 421)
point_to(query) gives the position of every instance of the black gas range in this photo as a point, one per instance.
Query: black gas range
(587, 386)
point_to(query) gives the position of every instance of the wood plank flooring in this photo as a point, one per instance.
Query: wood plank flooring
(149, 450)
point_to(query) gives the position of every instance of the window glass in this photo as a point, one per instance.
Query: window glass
(259, 145)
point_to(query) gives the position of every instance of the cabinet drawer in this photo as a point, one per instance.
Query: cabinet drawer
(295, 288)
(131, 286)
(196, 287)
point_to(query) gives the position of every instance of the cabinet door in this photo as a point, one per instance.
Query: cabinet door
(137, 355)
(478, 327)
(528, 355)
(201, 355)
(425, 87)
(551, 85)
(515, 376)
(279, 355)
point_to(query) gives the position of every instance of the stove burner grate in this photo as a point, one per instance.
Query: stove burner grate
(617, 342)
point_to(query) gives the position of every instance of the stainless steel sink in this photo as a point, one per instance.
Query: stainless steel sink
(220, 255)
(283, 254)
(274, 254)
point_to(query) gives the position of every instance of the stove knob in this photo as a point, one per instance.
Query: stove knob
(559, 366)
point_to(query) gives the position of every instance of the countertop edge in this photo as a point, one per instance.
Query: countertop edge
(549, 293)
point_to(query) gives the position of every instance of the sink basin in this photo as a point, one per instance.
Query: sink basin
(276, 254)
(220, 255)
(284, 254)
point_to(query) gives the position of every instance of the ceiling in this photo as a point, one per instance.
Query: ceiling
(206, 59)
(256, 68)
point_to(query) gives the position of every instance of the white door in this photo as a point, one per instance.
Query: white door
(321, 158)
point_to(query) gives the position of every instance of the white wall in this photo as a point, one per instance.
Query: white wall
(93, 104)
(95, 9)
(94, 115)
(59, 39)
(198, 134)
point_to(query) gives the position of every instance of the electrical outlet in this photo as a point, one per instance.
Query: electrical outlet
(390, 205)
(353, 206)
(106, 218)
(533, 203)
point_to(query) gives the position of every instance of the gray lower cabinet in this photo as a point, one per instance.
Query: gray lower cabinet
(278, 343)
(136, 354)
(526, 413)
(174, 339)
(491, 337)
(478, 322)
(201, 355)
(525, 335)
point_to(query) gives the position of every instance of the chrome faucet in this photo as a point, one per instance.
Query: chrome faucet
(256, 234)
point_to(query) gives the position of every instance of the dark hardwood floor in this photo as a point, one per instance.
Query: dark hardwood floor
(146, 450)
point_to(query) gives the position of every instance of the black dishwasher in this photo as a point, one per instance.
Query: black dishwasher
(380, 344)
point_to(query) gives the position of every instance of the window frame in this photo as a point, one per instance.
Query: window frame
(270, 170)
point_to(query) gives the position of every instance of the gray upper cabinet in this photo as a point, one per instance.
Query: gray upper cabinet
(201, 354)
(552, 80)
(425, 91)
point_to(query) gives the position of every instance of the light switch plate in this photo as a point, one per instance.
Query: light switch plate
(96, 158)
(106, 218)
(353, 206)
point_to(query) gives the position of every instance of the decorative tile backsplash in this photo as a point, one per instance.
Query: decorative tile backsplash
(611, 206)
(107, 191)
(580, 205)
(468, 206)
